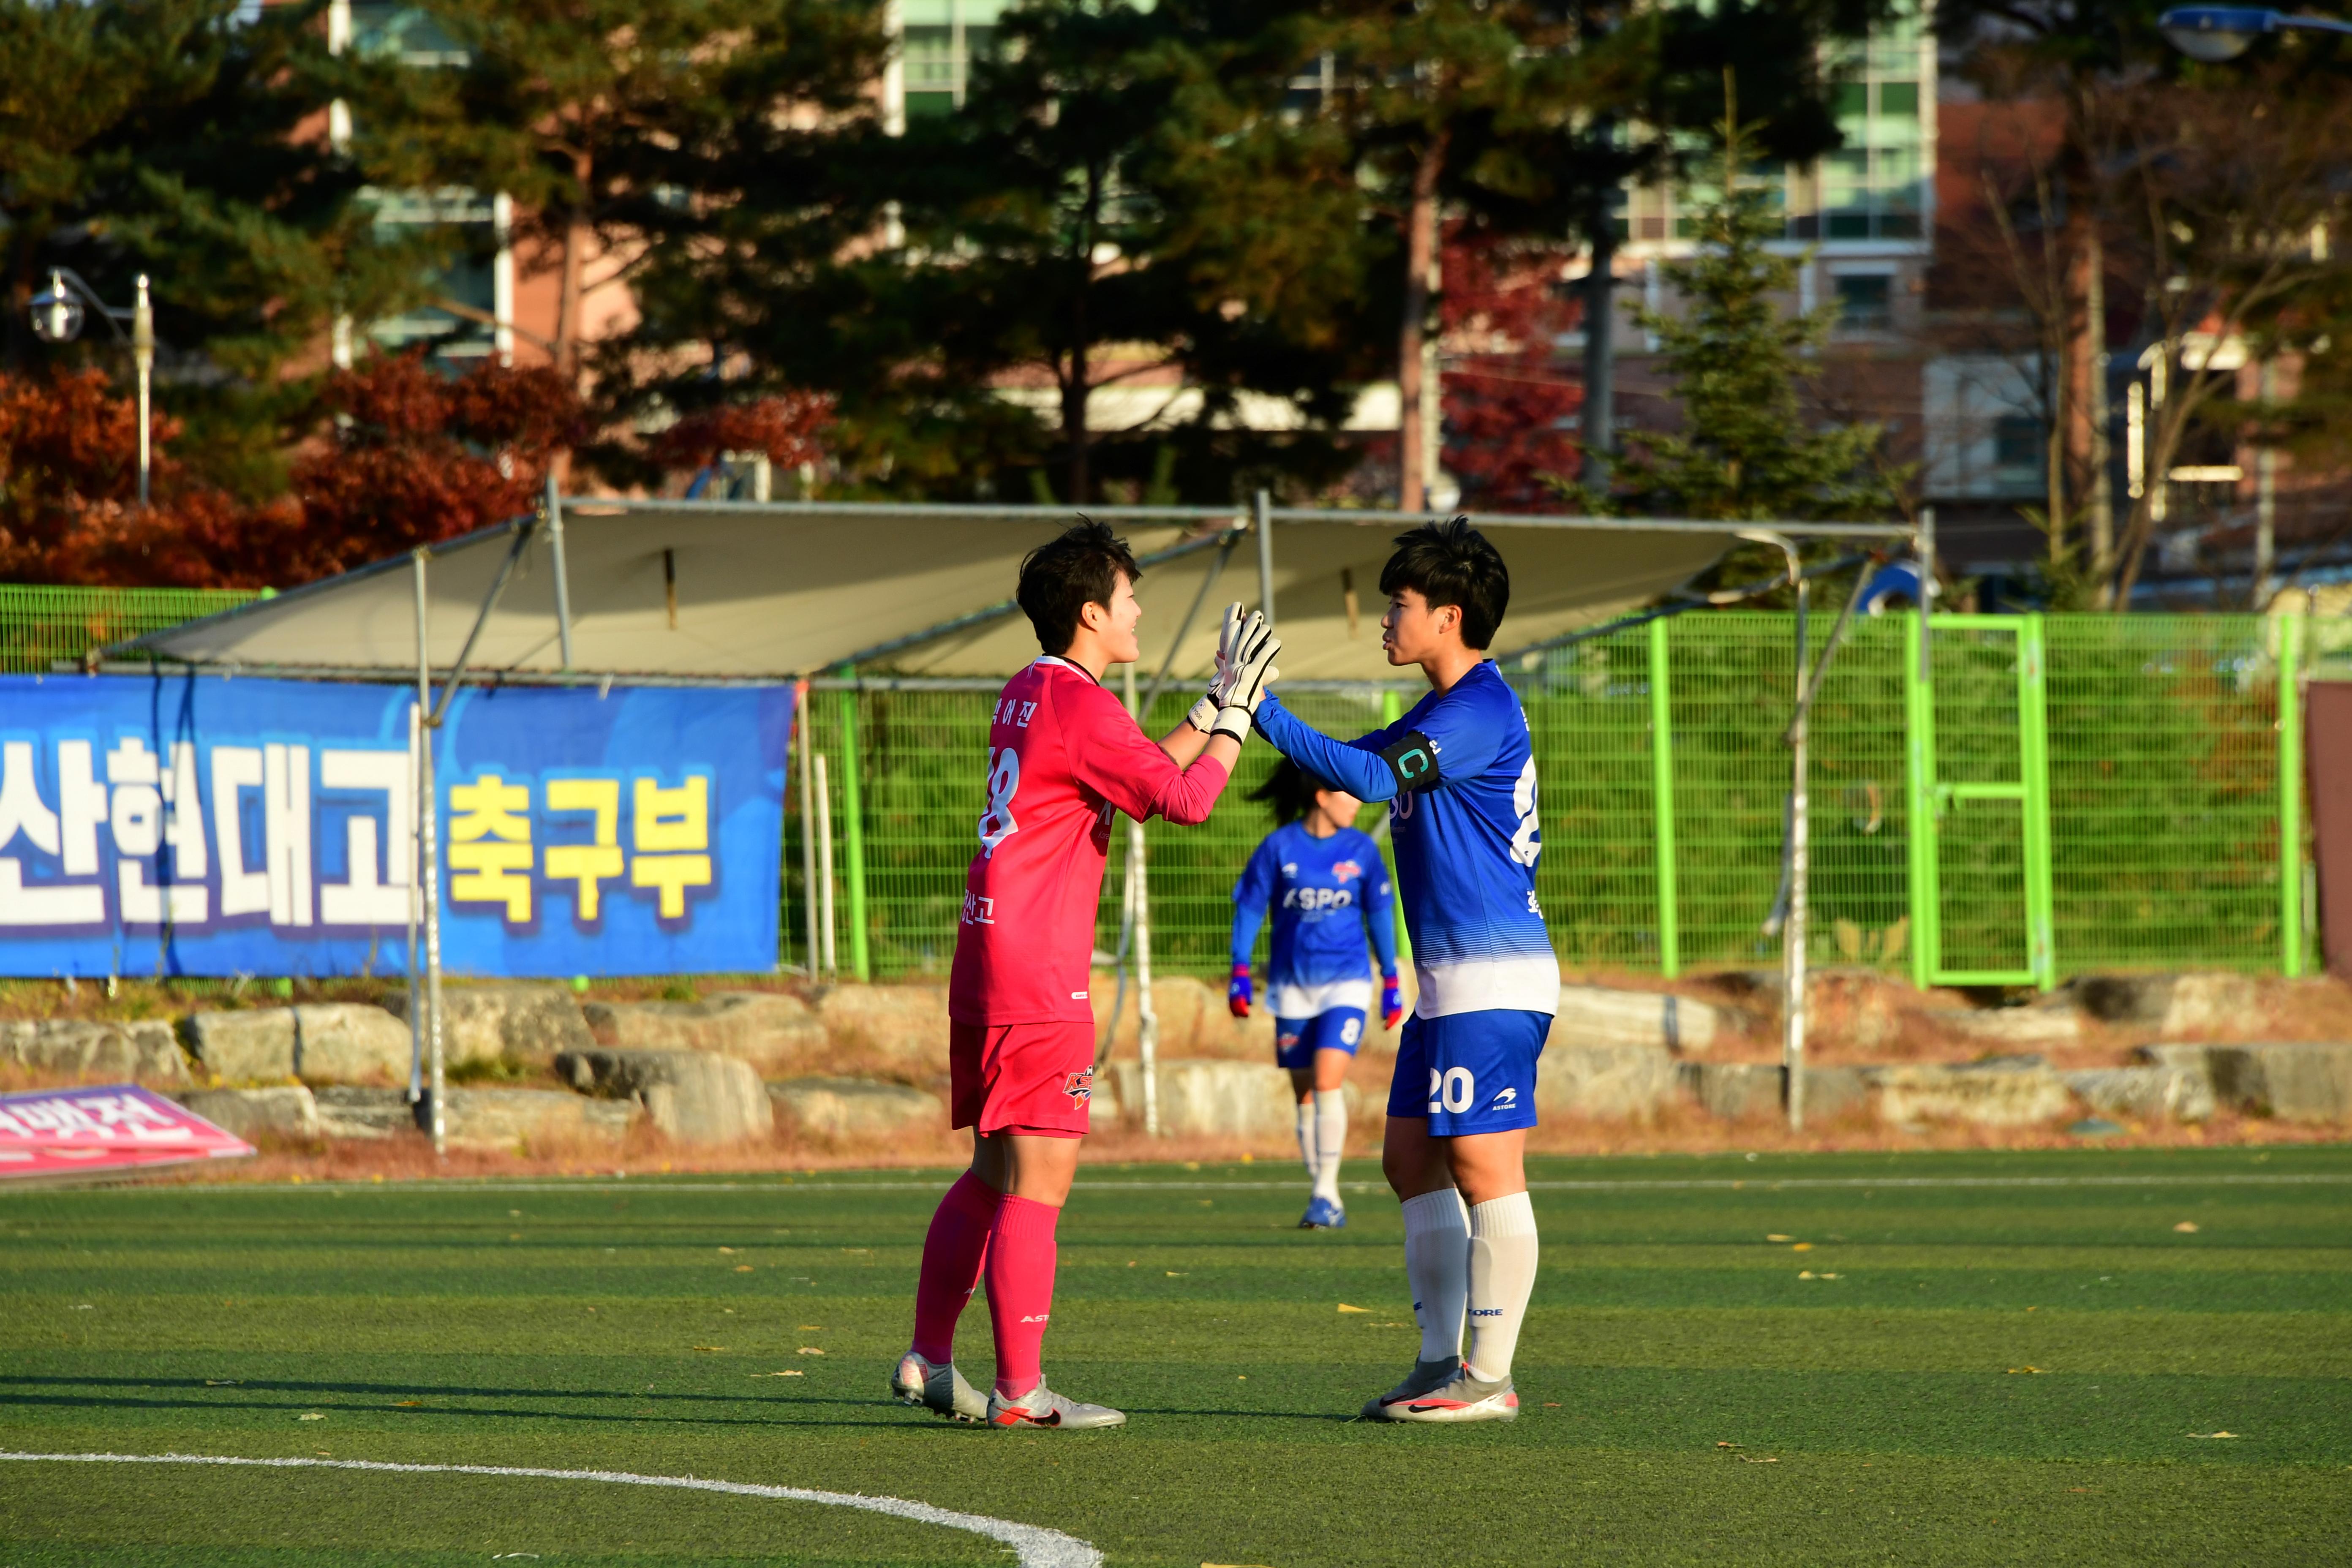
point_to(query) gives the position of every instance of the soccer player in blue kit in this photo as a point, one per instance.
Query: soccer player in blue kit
(1459, 773)
(1328, 887)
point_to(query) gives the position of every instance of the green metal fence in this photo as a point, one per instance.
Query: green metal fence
(39, 626)
(2099, 793)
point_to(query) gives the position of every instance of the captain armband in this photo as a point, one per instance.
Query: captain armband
(1412, 760)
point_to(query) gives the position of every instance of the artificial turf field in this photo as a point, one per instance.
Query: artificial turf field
(2000, 1357)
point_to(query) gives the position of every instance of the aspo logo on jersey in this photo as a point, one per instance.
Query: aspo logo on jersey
(1316, 899)
(1081, 1085)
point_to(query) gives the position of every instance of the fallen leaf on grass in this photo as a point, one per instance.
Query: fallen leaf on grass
(1723, 1445)
(742, 1269)
(1345, 1308)
(794, 1373)
(858, 1249)
(514, 1235)
(2187, 1228)
(1753, 1460)
(2035, 1370)
(408, 1404)
(1177, 1273)
(1776, 1236)
(811, 1327)
(1804, 1274)
(223, 1382)
(711, 1347)
(310, 1415)
(810, 1350)
(1802, 1246)
(728, 1250)
(2212, 1435)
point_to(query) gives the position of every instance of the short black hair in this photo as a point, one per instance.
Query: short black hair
(1064, 576)
(1453, 563)
(1289, 791)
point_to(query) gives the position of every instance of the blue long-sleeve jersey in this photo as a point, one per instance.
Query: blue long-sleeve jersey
(1459, 773)
(1326, 894)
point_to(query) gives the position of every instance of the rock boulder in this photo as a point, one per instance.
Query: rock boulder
(347, 1111)
(765, 1027)
(694, 1096)
(527, 1119)
(1604, 1082)
(284, 1111)
(145, 1051)
(2309, 1083)
(2179, 1006)
(2016, 1092)
(837, 1108)
(1597, 1016)
(1211, 1098)
(243, 1046)
(2149, 1092)
(350, 1042)
(527, 1022)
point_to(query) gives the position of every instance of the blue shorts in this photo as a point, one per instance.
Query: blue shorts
(1295, 1040)
(1469, 1072)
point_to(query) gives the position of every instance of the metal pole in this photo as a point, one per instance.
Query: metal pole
(1147, 1028)
(563, 575)
(142, 353)
(824, 866)
(807, 739)
(1793, 932)
(1260, 507)
(415, 903)
(2290, 767)
(853, 822)
(1661, 799)
(1927, 587)
(428, 827)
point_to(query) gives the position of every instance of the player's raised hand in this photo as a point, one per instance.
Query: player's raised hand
(1230, 636)
(1237, 994)
(1392, 1001)
(1253, 669)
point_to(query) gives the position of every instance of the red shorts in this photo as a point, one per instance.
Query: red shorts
(1022, 1077)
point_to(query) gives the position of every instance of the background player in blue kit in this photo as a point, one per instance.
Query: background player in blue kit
(1459, 771)
(1328, 887)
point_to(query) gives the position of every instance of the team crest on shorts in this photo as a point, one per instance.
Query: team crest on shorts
(1081, 1085)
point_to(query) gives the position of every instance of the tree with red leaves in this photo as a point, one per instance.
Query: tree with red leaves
(1509, 405)
(785, 430)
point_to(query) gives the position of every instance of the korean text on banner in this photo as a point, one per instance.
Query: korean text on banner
(184, 825)
(87, 1132)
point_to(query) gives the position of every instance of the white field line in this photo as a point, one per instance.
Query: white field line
(1035, 1546)
(1759, 1182)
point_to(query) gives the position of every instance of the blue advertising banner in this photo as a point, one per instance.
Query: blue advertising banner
(188, 824)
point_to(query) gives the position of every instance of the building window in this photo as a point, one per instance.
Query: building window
(2017, 443)
(1866, 302)
(942, 41)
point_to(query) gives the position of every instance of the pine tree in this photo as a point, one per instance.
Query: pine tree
(1737, 362)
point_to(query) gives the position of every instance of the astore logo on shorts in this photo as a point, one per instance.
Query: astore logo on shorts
(1081, 1085)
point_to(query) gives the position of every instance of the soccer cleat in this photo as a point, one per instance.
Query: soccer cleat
(1322, 1213)
(1040, 1406)
(938, 1387)
(1427, 1377)
(1466, 1398)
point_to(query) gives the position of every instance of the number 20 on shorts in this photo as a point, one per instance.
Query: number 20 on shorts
(1451, 1091)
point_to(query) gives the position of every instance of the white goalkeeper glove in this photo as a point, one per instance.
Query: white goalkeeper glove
(1253, 670)
(1236, 630)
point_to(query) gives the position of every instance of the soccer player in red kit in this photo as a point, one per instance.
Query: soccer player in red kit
(1064, 756)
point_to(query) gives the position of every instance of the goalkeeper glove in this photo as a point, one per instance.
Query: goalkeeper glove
(1238, 994)
(1392, 1001)
(1253, 670)
(1236, 629)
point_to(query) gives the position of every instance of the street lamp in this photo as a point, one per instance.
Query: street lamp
(2215, 32)
(57, 316)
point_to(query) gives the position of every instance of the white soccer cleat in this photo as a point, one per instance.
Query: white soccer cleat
(939, 1387)
(1040, 1406)
(1466, 1398)
(1427, 1377)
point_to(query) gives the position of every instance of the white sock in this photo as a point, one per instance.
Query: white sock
(1330, 1140)
(1502, 1278)
(1437, 1266)
(1307, 1134)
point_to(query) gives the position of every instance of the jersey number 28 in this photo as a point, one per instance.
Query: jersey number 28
(996, 824)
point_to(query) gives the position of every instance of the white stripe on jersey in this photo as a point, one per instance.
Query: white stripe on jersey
(1314, 1000)
(1525, 984)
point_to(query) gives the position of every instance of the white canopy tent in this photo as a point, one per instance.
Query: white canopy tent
(664, 592)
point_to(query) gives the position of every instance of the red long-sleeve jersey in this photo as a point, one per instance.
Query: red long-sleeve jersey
(1064, 755)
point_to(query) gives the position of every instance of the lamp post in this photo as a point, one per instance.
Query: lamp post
(2215, 32)
(57, 317)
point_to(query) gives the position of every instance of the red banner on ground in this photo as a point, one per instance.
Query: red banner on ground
(88, 1131)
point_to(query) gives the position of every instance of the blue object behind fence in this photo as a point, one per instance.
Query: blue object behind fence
(189, 824)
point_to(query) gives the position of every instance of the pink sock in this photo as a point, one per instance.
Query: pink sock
(1020, 1290)
(953, 1253)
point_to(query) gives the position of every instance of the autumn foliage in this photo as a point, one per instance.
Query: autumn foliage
(1508, 402)
(389, 455)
